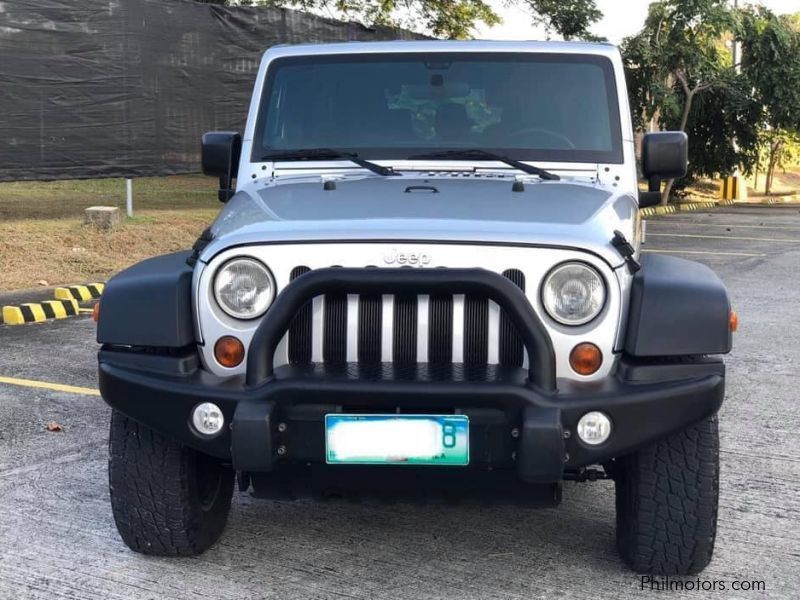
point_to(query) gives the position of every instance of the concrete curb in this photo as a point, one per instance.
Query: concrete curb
(81, 293)
(670, 209)
(66, 304)
(36, 312)
(787, 199)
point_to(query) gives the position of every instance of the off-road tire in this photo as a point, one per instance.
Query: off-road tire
(667, 501)
(167, 499)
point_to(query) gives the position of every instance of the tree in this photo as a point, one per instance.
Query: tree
(679, 56)
(771, 62)
(455, 19)
(723, 127)
(778, 148)
(570, 19)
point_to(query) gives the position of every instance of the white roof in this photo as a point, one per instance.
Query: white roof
(601, 48)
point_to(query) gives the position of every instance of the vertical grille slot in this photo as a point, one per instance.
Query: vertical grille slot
(511, 350)
(370, 321)
(404, 348)
(440, 329)
(392, 331)
(334, 331)
(300, 329)
(476, 330)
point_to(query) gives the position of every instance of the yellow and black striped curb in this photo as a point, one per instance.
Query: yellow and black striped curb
(36, 312)
(669, 209)
(81, 293)
(66, 304)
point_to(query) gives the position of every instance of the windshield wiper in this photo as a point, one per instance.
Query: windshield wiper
(329, 154)
(477, 153)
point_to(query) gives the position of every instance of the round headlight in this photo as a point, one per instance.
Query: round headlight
(573, 293)
(244, 288)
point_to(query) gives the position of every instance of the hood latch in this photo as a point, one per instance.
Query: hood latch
(626, 251)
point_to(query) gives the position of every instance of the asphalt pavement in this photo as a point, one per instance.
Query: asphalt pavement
(58, 540)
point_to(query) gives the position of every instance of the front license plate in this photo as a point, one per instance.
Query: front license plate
(397, 439)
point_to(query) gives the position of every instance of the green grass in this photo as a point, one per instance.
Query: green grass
(43, 237)
(61, 199)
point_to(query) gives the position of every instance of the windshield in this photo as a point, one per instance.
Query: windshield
(544, 107)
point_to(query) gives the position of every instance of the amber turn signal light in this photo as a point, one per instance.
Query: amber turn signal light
(585, 358)
(733, 320)
(96, 312)
(229, 351)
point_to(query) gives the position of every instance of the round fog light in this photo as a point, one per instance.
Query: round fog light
(207, 418)
(594, 428)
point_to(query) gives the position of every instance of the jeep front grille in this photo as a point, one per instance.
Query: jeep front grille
(511, 351)
(410, 328)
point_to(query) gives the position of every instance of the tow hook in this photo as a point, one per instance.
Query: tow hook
(586, 474)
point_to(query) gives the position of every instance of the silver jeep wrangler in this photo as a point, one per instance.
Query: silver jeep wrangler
(425, 281)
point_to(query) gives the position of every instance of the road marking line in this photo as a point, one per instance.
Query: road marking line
(723, 237)
(55, 387)
(731, 226)
(661, 251)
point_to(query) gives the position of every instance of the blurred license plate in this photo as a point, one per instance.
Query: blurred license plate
(397, 439)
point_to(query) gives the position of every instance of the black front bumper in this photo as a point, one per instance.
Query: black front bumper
(511, 424)
(520, 421)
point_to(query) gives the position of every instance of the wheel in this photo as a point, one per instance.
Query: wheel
(167, 499)
(667, 501)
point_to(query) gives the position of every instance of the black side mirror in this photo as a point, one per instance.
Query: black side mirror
(664, 156)
(220, 157)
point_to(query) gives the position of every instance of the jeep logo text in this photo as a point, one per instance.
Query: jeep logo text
(413, 259)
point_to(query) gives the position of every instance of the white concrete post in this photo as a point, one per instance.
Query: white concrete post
(129, 196)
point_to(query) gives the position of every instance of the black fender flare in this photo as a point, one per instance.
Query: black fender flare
(149, 304)
(677, 307)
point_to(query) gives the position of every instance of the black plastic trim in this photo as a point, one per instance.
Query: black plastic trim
(182, 362)
(511, 349)
(334, 333)
(404, 339)
(370, 329)
(541, 445)
(404, 483)
(301, 327)
(476, 330)
(635, 370)
(440, 329)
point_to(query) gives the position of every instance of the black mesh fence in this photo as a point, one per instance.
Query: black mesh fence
(101, 88)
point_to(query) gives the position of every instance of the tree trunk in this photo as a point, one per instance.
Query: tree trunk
(684, 121)
(774, 151)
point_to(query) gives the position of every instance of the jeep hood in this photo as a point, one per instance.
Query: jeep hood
(457, 207)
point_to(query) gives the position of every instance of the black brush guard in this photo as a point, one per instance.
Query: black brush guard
(478, 282)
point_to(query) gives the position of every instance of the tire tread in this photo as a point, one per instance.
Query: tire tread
(667, 502)
(154, 498)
